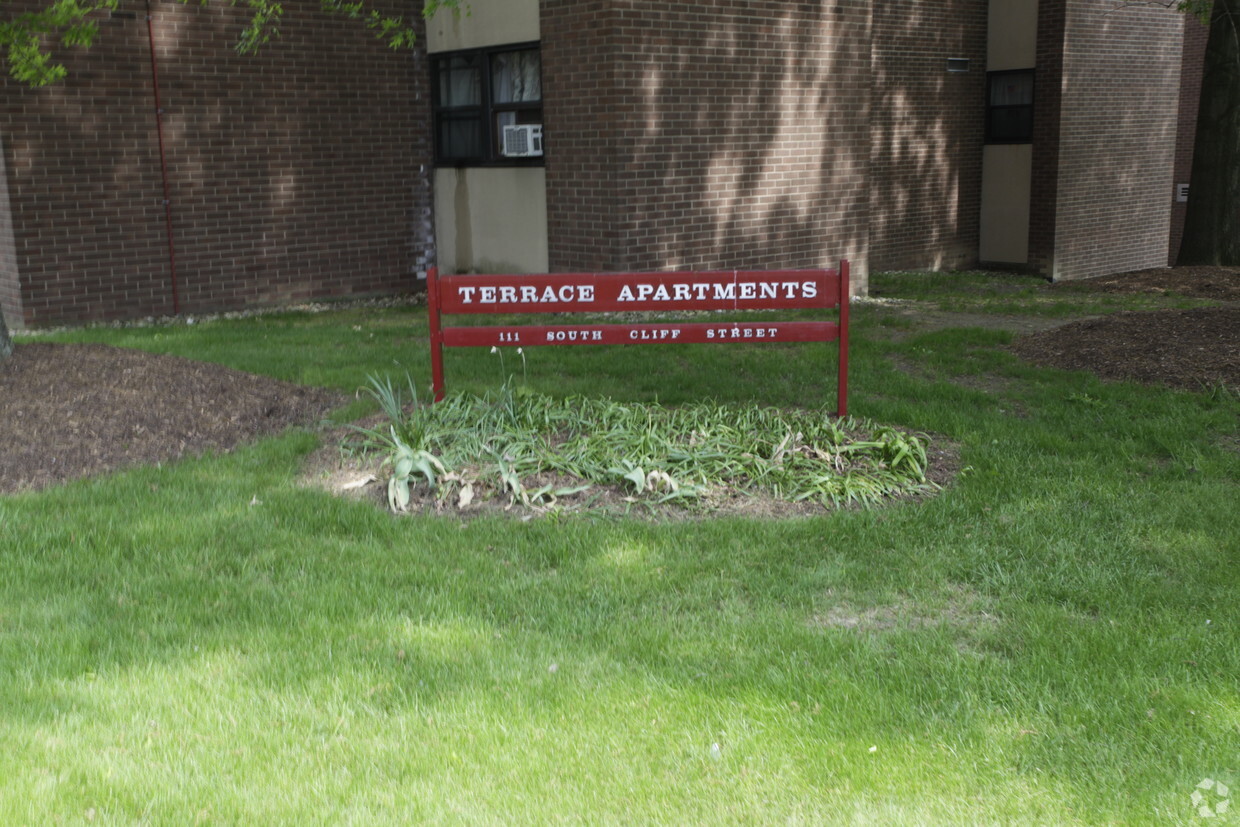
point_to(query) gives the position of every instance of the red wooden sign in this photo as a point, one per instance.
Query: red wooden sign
(639, 292)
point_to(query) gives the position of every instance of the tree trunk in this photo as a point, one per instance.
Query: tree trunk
(6, 343)
(1212, 224)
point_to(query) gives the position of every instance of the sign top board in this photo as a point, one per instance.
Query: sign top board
(612, 292)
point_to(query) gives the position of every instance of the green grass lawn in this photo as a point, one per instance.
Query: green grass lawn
(1016, 294)
(1052, 639)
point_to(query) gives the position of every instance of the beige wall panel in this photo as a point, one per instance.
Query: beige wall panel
(1006, 172)
(483, 23)
(491, 220)
(1013, 30)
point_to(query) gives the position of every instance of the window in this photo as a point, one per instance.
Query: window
(1009, 107)
(480, 92)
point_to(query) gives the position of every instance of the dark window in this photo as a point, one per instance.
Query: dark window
(1009, 107)
(479, 95)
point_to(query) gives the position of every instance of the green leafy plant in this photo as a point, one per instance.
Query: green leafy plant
(409, 464)
(657, 454)
(401, 440)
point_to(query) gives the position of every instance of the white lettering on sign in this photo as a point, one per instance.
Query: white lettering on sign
(654, 335)
(528, 294)
(717, 291)
(574, 336)
(742, 333)
(685, 292)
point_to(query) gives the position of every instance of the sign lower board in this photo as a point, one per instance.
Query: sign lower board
(640, 334)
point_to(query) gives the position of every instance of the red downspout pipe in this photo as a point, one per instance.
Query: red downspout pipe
(163, 163)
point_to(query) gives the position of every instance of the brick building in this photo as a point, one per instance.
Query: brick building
(720, 133)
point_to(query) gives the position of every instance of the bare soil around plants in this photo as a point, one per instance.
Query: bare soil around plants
(72, 411)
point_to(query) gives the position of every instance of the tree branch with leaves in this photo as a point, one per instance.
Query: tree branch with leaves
(28, 39)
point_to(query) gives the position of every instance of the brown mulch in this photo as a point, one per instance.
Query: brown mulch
(1189, 349)
(1196, 282)
(71, 411)
(1195, 349)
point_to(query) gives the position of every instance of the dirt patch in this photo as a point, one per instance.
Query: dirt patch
(959, 608)
(1190, 349)
(921, 320)
(71, 411)
(987, 383)
(1195, 349)
(1220, 283)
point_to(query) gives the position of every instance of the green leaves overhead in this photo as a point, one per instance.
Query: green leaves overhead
(28, 39)
(23, 37)
(1198, 8)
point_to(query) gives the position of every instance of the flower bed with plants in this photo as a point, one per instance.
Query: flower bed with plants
(518, 448)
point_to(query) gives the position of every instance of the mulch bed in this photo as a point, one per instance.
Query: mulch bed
(1195, 349)
(1198, 282)
(70, 411)
(1189, 349)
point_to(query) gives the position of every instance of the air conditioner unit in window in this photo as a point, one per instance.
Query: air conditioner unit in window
(522, 141)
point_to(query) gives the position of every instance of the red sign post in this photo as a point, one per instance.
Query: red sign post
(639, 292)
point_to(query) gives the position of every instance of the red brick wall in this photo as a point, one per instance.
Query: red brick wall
(1192, 61)
(1047, 106)
(927, 130)
(582, 116)
(720, 134)
(295, 174)
(1118, 117)
(84, 185)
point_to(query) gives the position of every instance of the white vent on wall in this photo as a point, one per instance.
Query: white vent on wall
(522, 141)
(1181, 192)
